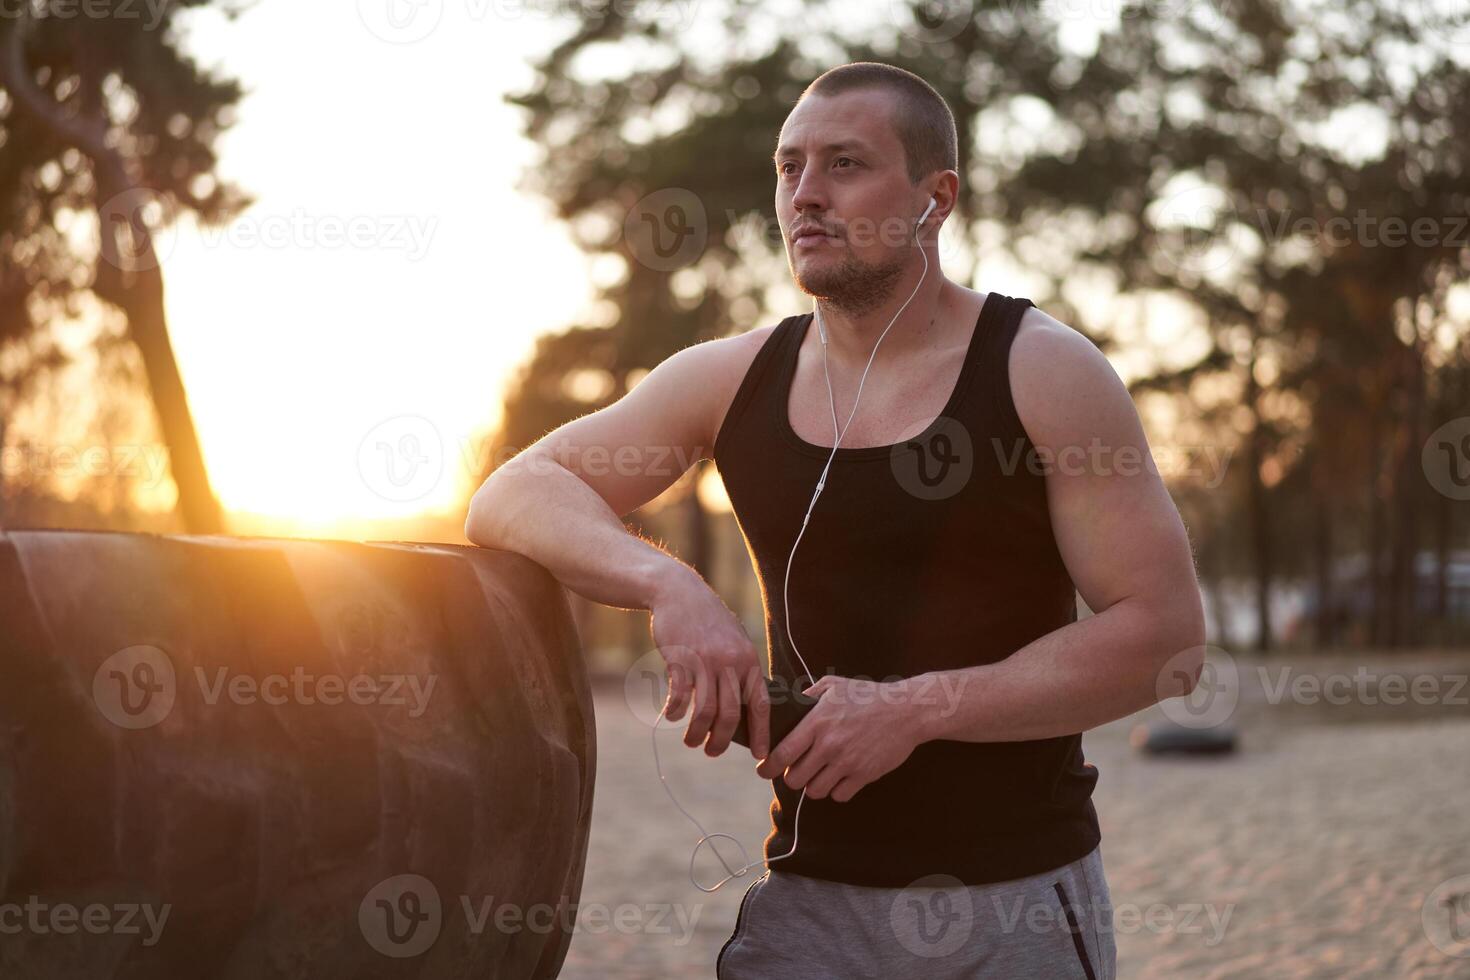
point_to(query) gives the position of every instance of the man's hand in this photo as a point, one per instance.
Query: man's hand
(857, 731)
(709, 657)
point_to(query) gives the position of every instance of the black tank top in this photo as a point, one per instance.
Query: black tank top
(931, 554)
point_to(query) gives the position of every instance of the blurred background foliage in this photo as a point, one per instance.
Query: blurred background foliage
(107, 133)
(1150, 180)
(1165, 163)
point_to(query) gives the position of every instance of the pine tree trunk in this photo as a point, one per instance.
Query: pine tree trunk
(1376, 614)
(140, 297)
(1260, 529)
(1412, 436)
(1444, 526)
(1325, 630)
(2, 471)
(127, 273)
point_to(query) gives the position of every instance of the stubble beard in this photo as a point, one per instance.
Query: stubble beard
(851, 287)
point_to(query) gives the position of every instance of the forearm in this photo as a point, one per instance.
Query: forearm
(540, 509)
(1083, 675)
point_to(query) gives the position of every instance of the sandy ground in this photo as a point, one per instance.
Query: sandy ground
(1309, 853)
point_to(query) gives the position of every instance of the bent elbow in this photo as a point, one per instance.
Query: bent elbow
(1182, 650)
(1189, 647)
(471, 527)
(490, 518)
(477, 527)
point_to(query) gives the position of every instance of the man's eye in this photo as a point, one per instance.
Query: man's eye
(848, 159)
(782, 167)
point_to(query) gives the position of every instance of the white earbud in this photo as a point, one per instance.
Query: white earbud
(925, 215)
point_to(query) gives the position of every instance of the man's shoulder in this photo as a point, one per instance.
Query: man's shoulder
(1043, 333)
(702, 379)
(1059, 378)
(745, 345)
(724, 361)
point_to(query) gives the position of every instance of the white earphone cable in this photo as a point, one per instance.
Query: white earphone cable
(785, 593)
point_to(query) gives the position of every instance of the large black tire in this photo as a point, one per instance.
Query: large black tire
(143, 765)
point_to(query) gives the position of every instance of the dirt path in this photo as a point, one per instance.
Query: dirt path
(1310, 853)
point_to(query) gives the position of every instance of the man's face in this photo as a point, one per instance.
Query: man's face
(841, 168)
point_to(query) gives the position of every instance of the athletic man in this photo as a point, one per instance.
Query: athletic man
(932, 812)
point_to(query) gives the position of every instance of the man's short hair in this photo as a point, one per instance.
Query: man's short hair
(923, 120)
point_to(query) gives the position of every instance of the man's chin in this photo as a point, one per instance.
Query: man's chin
(816, 277)
(844, 283)
(816, 287)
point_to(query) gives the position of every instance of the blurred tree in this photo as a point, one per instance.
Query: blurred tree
(1172, 158)
(685, 145)
(596, 173)
(1194, 140)
(102, 115)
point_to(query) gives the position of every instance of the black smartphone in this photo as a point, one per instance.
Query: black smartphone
(788, 707)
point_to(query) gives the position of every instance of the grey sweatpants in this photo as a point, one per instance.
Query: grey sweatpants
(1056, 925)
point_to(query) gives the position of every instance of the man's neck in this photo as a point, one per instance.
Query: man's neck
(921, 328)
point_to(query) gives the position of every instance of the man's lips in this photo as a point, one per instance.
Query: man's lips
(811, 236)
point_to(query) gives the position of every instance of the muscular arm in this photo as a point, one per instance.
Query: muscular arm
(1124, 545)
(561, 502)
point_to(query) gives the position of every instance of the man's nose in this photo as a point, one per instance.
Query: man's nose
(810, 193)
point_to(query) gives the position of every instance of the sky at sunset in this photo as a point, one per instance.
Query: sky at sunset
(389, 275)
(345, 342)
